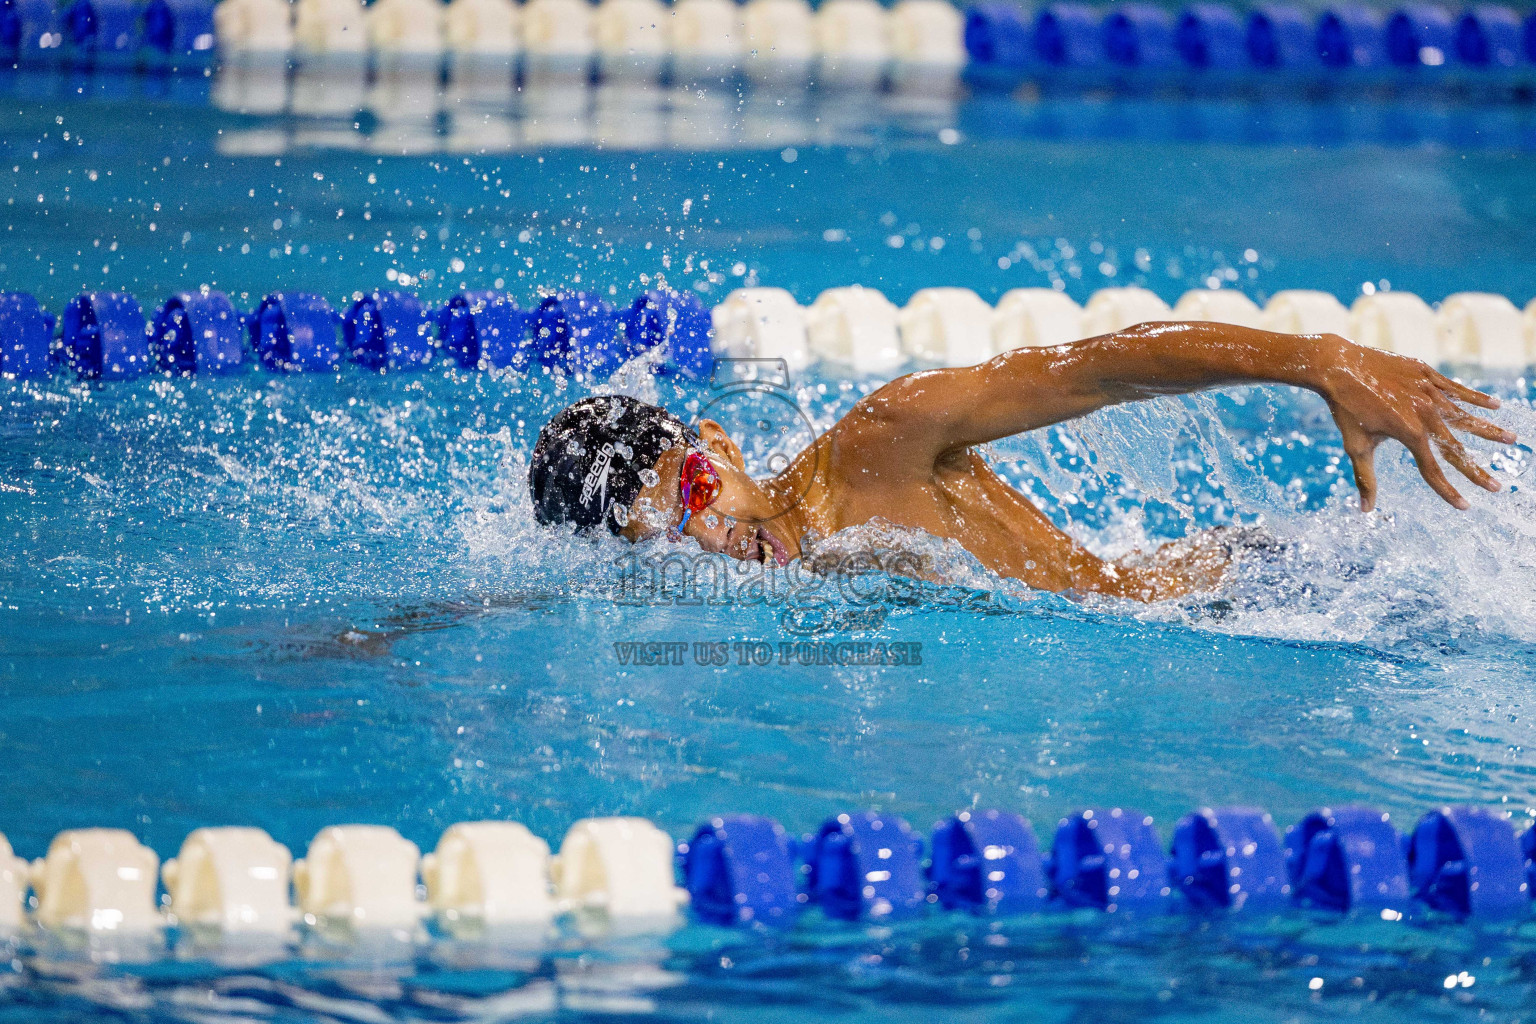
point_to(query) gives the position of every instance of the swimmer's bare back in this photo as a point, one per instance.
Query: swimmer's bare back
(905, 454)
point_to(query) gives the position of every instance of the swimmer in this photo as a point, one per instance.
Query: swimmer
(906, 454)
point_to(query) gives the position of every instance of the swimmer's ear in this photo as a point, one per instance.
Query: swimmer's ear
(718, 441)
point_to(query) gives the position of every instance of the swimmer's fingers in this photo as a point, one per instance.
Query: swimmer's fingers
(1429, 469)
(1461, 392)
(1457, 417)
(1452, 451)
(1361, 449)
(1365, 477)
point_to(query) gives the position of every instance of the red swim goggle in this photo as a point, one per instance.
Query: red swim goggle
(698, 485)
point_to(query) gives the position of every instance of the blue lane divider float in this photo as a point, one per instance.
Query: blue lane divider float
(999, 38)
(178, 26)
(31, 30)
(198, 332)
(1346, 859)
(579, 332)
(1067, 36)
(1528, 851)
(295, 331)
(678, 323)
(105, 336)
(389, 329)
(865, 865)
(1461, 861)
(102, 26)
(988, 862)
(1488, 36)
(26, 336)
(1211, 37)
(28, 28)
(1109, 859)
(1351, 36)
(1465, 861)
(1229, 859)
(486, 329)
(574, 332)
(1419, 35)
(1279, 37)
(1006, 41)
(741, 869)
(1139, 35)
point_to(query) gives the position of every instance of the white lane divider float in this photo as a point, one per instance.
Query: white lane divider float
(97, 880)
(406, 28)
(254, 26)
(363, 876)
(1035, 318)
(559, 30)
(231, 879)
(930, 33)
(1222, 306)
(1116, 309)
(920, 42)
(622, 868)
(331, 40)
(330, 27)
(854, 326)
(777, 33)
(493, 872)
(406, 37)
(1483, 329)
(486, 28)
(858, 328)
(947, 326)
(762, 323)
(852, 37)
(631, 31)
(1398, 322)
(1299, 311)
(705, 32)
(13, 889)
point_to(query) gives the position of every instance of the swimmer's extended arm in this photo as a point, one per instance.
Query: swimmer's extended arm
(1373, 395)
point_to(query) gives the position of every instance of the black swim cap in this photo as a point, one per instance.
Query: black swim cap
(588, 464)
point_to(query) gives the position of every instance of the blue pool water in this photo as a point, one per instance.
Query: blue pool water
(306, 600)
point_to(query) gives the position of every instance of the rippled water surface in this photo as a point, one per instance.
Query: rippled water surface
(300, 601)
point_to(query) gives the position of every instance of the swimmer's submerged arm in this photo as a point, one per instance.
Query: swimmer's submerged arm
(1373, 395)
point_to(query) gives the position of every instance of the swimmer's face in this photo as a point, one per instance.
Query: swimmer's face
(738, 523)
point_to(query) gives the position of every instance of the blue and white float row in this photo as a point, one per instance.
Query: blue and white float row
(623, 873)
(1003, 42)
(925, 32)
(106, 335)
(860, 328)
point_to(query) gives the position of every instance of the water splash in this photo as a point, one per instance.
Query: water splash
(195, 493)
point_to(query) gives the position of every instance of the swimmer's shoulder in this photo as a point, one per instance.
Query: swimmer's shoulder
(894, 430)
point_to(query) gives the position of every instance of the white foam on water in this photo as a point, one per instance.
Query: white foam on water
(1415, 571)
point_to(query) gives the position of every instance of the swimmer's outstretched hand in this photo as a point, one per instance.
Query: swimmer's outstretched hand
(1374, 395)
